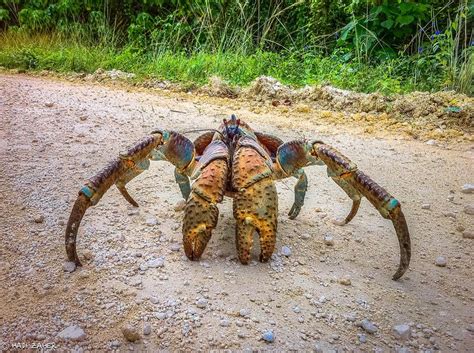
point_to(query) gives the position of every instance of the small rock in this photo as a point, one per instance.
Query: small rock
(186, 329)
(345, 280)
(151, 221)
(115, 344)
(180, 206)
(425, 206)
(286, 251)
(469, 209)
(154, 263)
(244, 312)
(468, 234)
(201, 303)
(368, 326)
(470, 327)
(441, 261)
(431, 142)
(175, 247)
(39, 218)
(402, 331)
(224, 323)
(449, 214)
(72, 332)
(49, 104)
(130, 333)
(143, 266)
(451, 198)
(362, 338)
(305, 236)
(69, 266)
(146, 329)
(83, 117)
(88, 255)
(467, 189)
(268, 336)
(328, 240)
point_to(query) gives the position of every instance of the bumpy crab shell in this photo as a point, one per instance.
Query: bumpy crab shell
(238, 162)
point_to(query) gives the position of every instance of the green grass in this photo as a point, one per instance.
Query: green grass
(54, 52)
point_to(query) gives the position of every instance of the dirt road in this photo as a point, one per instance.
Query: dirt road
(55, 134)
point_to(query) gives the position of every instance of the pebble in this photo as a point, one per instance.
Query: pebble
(362, 338)
(469, 209)
(175, 247)
(151, 221)
(286, 251)
(402, 331)
(328, 240)
(425, 206)
(49, 104)
(244, 312)
(201, 303)
(306, 236)
(69, 266)
(180, 206)
(224, 323)
(441, 261)
(450, 214)
(431, 142)
(147, 329)
(467, 189)
(88, 255)
(72, 332)
(345, 280)
(467, 234)
(153, 263)
(268, 336)
(368, 326)
(39, 218)
(130, 333)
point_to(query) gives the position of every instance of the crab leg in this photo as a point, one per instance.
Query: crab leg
(359, 184)
(159, 145)
(296, 154)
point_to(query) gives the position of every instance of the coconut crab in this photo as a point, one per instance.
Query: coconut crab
(238, 162)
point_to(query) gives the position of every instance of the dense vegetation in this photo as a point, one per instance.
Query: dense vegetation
(374, 45)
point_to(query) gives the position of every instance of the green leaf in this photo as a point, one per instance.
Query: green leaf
(405, 20)
(387, 23)
(4, 15)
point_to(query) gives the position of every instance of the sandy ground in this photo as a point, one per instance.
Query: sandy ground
(55, 134)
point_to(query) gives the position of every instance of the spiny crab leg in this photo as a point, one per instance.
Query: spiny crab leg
(357, 184)
(120, 171)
